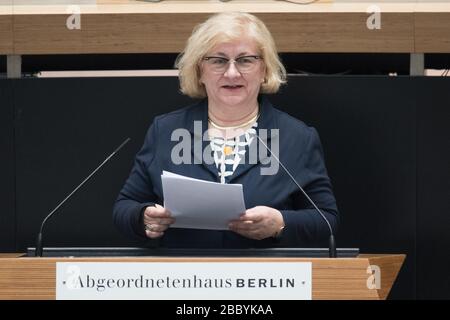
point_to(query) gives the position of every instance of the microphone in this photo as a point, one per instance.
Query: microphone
(38, 251)
(332, 251)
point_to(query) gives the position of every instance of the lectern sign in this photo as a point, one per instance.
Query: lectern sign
(184, 280)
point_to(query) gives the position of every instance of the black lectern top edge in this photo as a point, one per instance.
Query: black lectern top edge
(192, 252)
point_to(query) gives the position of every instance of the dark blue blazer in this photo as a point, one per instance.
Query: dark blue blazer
(300, 151)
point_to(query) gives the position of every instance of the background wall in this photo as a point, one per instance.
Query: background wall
(385, 142)
(433, 188)
(7, 169)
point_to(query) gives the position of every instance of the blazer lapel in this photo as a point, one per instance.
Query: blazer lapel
(257, 153)
(198, 125)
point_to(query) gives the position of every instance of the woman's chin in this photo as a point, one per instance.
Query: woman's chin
(233, 100)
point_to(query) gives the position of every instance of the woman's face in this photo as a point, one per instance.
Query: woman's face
(231, 86)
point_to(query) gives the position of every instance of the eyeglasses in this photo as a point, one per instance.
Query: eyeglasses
(244, 64)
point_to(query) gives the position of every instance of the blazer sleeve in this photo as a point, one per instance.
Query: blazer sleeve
(304, 225)
(137, 193)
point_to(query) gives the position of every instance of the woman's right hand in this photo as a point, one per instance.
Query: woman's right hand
(156, 220)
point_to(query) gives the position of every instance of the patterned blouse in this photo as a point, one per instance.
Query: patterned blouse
(228, 153)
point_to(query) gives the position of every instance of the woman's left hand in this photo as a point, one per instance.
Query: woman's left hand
(258, 223)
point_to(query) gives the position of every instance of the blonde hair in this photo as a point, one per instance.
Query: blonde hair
(225, 27)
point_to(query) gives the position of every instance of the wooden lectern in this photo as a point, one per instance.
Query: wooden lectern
(338, 278)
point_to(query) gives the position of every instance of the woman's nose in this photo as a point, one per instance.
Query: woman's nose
(232, 71)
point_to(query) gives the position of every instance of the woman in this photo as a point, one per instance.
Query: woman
(229, 61)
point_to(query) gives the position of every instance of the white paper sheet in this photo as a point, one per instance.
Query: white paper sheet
(199, 204)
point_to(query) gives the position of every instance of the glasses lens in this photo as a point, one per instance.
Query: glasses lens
(218, 64)
(246, 64)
